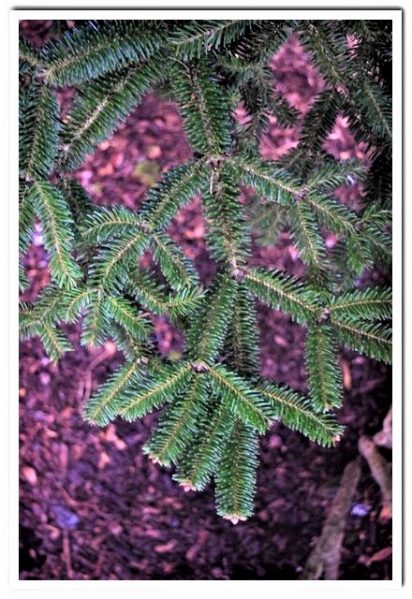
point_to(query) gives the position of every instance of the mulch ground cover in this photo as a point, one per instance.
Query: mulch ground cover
(92, 506)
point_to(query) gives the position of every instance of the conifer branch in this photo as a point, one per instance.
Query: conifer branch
(195, 468)
(242, 341)
(371, 339)
(307, 236)
(39, 132)
(197, 38)
(366, 304)
(240, 398)
(227, 231)
(179, 424)
(336, 217)
(52, 210)
(269, 182)
(104, 406)
(29, 58)
(297, 413)
(94, 330)
(98, 48)
(101, 107)
(204, 107)
(210, 324)
(177, 188)
(325, 381)
(236, 475)
(125, 314)
(109, 269)
(151, 393)
(283, 293)
(177, 269)
(105, 224)
(27, 219)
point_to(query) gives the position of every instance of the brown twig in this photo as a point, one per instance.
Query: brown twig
(384, 437)
(67, 554)
(325, 557)
(381, 471)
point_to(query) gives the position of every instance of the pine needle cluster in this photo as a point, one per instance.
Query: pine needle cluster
(215, 404)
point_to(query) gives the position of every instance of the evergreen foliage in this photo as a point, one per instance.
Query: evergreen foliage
(214, 402)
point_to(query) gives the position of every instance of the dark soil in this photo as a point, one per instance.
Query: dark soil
(92, 506)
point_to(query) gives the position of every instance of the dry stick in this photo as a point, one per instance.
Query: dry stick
(381, 471)
(325, 556)
(67, 554)
(384, 437)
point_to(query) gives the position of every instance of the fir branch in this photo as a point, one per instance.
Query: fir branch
(318, 123)
(128, 344)
(101, 106)
(27, 218)
(374, 228)
(307, 236)
(179, 423)
(195, 468)
(40, 320)
(80, 205)
(329, 50)
(39, 133)
(54, 342)
(283, 293)
(267, 181)
(210, 323)
(94, 329)
(331, 175)
(297, 413)
(331, 214)
(76, 301)
(262, 42)
(371, 339)
(370, 98)
(151, 295)
(204, 107)
(184, 302)
(97, 48)
(197, 38)
(242, 399)
(49, 306)
(242, 342)
(57, 223)
(177, 269)
(365, 304)
(267, 220)
(125, 314)
(217, 403)
(109, 268)
(228, 236)
(325, 380)
(105, 224)
(236, 474)
(151, 393)
(29, 58)
(104, 406)
(177, 188)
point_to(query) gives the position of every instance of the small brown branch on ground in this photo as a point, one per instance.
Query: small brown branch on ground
(381, 471)
(67, 554)
(384, 437)
(325, 557)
